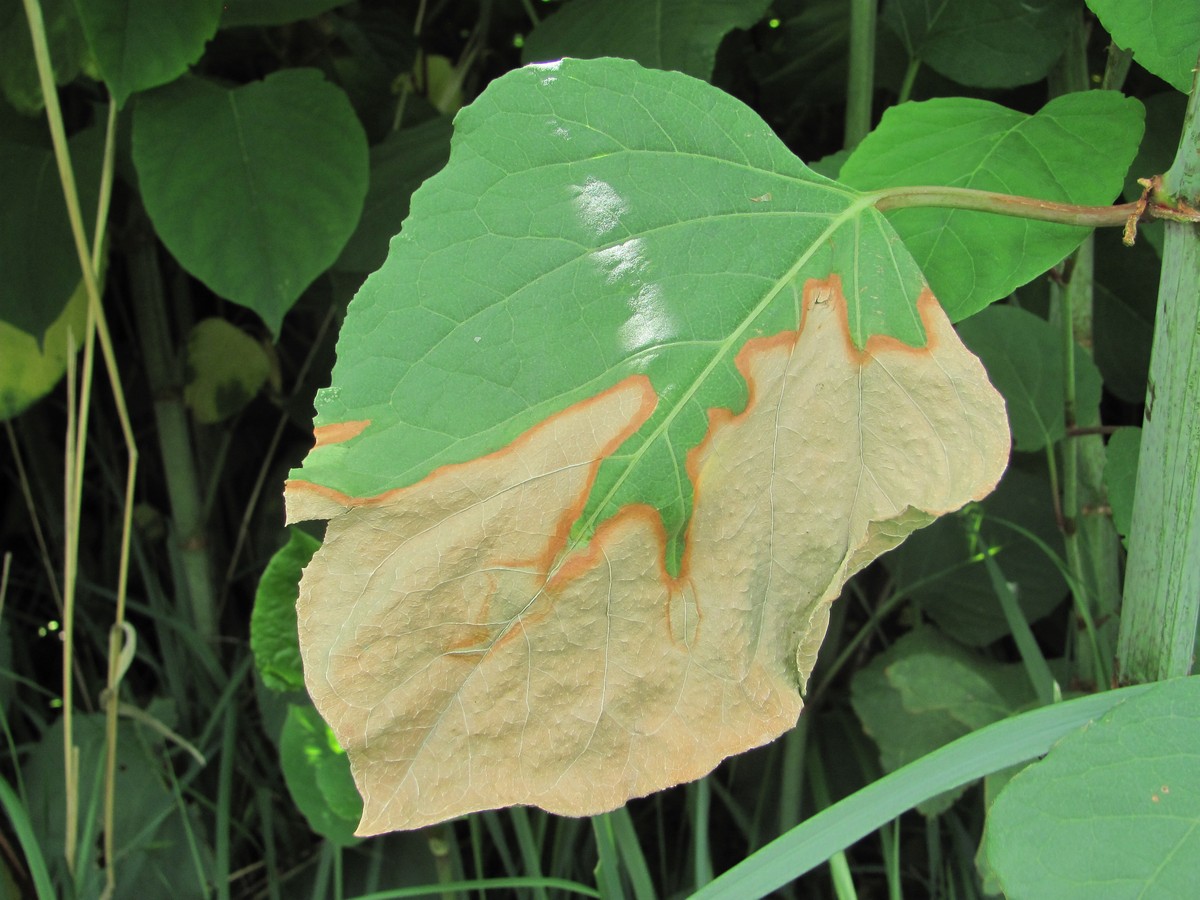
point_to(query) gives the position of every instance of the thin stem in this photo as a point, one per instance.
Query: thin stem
(910, 78)
(860, 85)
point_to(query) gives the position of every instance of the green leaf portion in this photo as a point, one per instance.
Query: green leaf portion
(925, 691)
(318, 776)
(940, 567)
(1121, 455)
(225, 369)
(1128, 784)
(1076, 149)
(273, 629)
(273, 12)
(18, 70)
(161, 855)
(1164, 36)
(37, 252)
(28, 371)
(661, 34)
(140, 44)
(1124, 310)
(596, 220)
(254, 190)
(1021, 353)
(984, 43)
(398, 166)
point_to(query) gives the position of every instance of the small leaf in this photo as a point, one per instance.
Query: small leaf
(1122, 453)
(225, 369)
(1076, 149)
(273, 635)
(633, 395)
(254, 190)
(1023, 357)
(662, 34)
(925, 691)
(318, 776)
(984, 43)
(1165, 41)
(29, 372)
(1128, 784)
(140, 44)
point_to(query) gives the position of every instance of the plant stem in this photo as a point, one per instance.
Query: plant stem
(860, 85)
(1162, 580)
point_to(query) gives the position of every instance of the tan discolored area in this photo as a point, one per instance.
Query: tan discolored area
(468, 658)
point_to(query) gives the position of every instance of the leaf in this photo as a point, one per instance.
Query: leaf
(225, 369)
(273, 634)
(254, 190)
(984, 43)
(1165, 41)
(29, 372)
(633, 395)
(37, 252)
(940, 568)
(318, 776)
(1022, 355)
(662, 34)
(273, 12)
(1126, 783)
(1123, 312)
(18, 71)
(140, 44)
(1122, 453)
(398, 166)
(1076, 149)
(924, 692)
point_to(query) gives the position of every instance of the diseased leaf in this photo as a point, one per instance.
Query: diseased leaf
(1076, 149)
(663, 34)
(1127, 783)
(633, 395)
(27, 371)
(225, 369)
(984, 43)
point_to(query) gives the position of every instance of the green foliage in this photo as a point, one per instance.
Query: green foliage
(219, 169)
(1129, 776)
(972, 258)
(265, 156)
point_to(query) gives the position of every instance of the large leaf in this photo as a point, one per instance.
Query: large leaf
(984, 43)
(633, 395)
(665, 34)
(1076, 149)
(1164, 38)
(140, 44)
(1128, 784)
(254, 190)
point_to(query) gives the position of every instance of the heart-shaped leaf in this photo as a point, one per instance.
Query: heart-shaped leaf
(633, 395)
(254, 190)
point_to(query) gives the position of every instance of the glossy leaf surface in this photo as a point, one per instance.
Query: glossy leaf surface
(633, 395)
(1076, 149)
